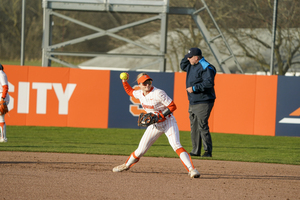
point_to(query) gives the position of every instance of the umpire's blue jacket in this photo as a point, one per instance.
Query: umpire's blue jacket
(201, 77)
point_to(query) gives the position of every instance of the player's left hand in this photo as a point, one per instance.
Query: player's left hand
(160, 117)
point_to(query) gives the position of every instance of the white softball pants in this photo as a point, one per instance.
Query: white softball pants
(153, 132)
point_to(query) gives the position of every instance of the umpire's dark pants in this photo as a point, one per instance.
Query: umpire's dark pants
(199, 115)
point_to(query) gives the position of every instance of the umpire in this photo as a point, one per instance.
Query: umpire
(200, 76)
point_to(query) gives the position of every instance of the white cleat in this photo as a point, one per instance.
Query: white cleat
(194, 173)
(120, 168)
(3, 139)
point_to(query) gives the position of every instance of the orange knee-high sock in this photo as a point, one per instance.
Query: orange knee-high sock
(182, 150)
(132, 160)
(3, 131)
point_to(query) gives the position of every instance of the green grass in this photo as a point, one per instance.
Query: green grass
(27, 63)
(34, 63)
(230, 147)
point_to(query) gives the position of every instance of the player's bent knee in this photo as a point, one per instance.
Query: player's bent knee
(180, 150)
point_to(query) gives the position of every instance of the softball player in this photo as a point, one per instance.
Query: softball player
(156, 101)
(5, 96)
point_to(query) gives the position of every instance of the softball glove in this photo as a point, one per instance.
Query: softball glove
(3, 107)
(146, 119)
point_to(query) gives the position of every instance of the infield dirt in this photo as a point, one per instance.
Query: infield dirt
(28, 175)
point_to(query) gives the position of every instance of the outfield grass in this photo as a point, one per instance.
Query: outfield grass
(231, 147)
(34, 63)
(27, 63)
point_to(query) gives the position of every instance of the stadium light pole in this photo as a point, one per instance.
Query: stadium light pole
(22, 32)
(273, 36)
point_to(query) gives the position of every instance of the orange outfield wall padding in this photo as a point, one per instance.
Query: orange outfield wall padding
(56, 96)
(265, 105)
(50, 96)
(92, 97)
(15, 74)
(245, 104)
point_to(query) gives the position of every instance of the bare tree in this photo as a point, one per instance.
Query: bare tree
(249, 25)
(246, 24)
(183, 33)
(10, 31)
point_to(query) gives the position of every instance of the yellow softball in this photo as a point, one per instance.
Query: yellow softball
(123, 76)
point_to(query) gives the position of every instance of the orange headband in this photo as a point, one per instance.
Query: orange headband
(143, 78)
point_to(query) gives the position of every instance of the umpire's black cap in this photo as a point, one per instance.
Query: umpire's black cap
(194, 52)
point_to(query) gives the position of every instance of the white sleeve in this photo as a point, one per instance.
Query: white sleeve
(3, 78)
(137, 94)
(165, 99)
